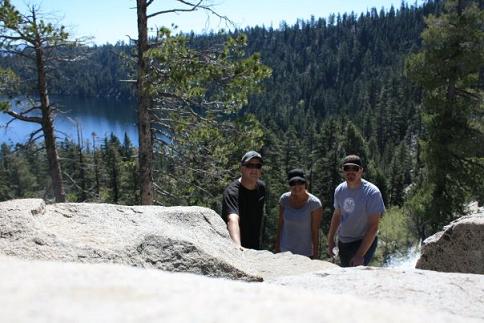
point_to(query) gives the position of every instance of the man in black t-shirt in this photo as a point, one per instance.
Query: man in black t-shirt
(243, 203)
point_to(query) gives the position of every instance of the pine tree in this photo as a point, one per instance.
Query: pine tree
(39, 43)
(448, 70)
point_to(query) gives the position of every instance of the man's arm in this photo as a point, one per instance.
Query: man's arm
(279, 229)
(358, 258)
(234, 228)
(315, 223)
(335, 222)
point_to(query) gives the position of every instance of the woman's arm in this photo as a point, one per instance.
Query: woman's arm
(315, 223)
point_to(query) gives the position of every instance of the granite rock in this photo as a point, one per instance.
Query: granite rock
(40, 291)
(457, 248)
(179, 239)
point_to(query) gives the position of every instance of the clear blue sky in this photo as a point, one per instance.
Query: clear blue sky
(112, 20)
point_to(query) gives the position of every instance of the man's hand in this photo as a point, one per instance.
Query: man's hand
(357, 261)
(331, 246)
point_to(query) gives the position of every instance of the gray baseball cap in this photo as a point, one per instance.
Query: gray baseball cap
(250, 155)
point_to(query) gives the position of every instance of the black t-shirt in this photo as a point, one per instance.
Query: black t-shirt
(249, 205)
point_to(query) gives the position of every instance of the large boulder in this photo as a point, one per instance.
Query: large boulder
(181, 239)
(195, 240)
(39, 291)
(458, 248)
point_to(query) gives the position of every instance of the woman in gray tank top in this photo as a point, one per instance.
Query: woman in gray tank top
(299, 218)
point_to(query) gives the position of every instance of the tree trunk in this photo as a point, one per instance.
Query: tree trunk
(145, 153)
(96, 165)
(48, 127)
(481, 69)
(82, 175)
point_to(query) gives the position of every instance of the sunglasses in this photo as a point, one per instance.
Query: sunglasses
(293, 183)
(351, 168)
(253, 166)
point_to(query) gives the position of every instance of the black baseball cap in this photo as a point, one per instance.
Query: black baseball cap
(296, 174)
(352, 160)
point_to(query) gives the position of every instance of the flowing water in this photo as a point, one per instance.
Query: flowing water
(408, 260)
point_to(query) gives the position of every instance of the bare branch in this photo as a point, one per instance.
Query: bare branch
(14, 38)
(32, 137)
(29, 110)
(20, 116)
(14, 52)
(468, 94)
(194, 7)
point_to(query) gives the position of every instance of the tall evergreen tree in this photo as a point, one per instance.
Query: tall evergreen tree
(179, 84)
(28, 36)
(448, 70)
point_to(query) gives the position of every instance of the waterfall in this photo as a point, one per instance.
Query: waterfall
(406, 260)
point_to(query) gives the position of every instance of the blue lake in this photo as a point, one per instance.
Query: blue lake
(93, 116)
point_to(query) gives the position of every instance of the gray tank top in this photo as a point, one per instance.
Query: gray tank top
(296, 230)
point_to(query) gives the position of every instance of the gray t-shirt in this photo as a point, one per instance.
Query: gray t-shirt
(356, 204)
(296, 230)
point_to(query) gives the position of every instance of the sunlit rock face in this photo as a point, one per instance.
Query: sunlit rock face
(180, 239)
(458, 248)
(76, 262)
(454, 293)
(41, 291)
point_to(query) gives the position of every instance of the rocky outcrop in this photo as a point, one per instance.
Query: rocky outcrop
(86, 279)
(458, 248)
(180, 239)
(35, 291)
(458, 294)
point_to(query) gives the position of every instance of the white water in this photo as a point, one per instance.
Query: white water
(404, 261)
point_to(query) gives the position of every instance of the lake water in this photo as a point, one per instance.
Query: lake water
(92, 115)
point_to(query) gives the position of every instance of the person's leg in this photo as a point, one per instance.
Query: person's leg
(371, 251)
(347, 251)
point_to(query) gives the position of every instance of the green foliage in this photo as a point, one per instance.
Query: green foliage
(218, 76)
(336, 87)
(9, 81)
(24, 173)
(197, 93)
(396, 235)
(448, 69)
(17, 176)
(28, 28)
(197, 168)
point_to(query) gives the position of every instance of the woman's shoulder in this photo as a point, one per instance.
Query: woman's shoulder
(313, 199)
(284, 197)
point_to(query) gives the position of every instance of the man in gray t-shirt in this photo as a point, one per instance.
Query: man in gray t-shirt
(358, 206)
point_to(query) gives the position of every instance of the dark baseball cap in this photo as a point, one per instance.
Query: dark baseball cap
(250, 155)
(296, 174)
(352, 160)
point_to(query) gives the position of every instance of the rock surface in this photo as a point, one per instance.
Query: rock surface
(459, 294)
(458, 248)
(195, 240)
(38, 291)
(180, 239)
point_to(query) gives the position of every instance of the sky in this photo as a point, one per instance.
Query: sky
(108, 21)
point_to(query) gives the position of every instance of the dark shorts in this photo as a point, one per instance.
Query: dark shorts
(349, 249)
